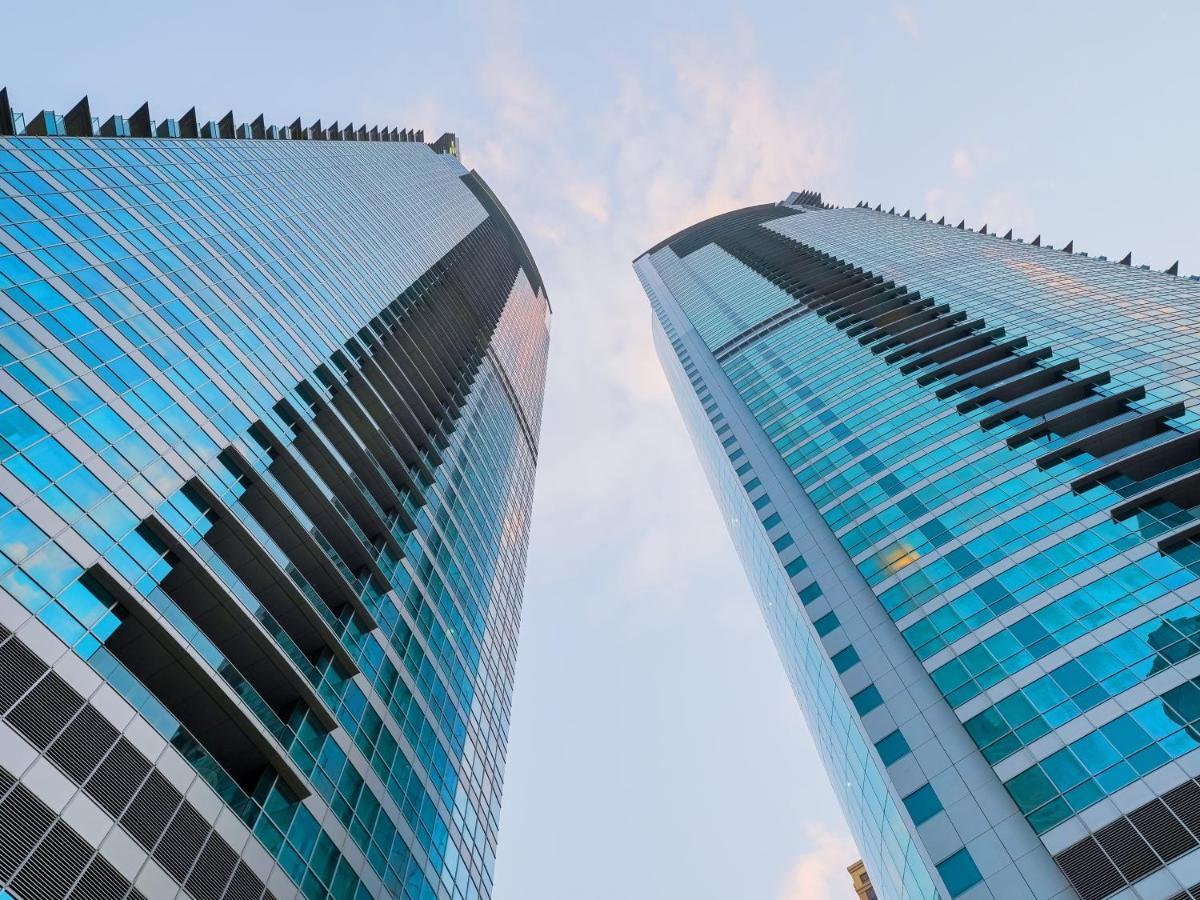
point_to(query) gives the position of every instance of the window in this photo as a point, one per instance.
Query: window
(810, 592)
(923, 804)
(866, 699)
(959, 872)
(892, 747)
(844, 659)
(826, 624)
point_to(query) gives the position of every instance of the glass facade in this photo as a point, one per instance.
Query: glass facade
(269, 409)
(982, 452)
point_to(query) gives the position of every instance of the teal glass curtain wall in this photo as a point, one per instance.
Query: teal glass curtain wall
(990, 450)
(268, 430)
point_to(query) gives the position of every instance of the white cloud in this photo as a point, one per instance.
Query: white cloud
(819, 873)
(591, 199)
(961, 164)
(523, 101)
(907, 19)
(615, 466)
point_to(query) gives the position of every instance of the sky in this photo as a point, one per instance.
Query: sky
(656, 751)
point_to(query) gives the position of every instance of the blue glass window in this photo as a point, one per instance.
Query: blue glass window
(892, 747)
(923, 804)
(844, 659)
(959, 872)
(866, 699)
(826, 624)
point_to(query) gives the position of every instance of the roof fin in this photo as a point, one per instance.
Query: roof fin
(139, 122)
(7, 124)
(78, 121)
(187, 124)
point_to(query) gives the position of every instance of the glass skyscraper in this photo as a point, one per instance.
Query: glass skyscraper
(964, 480)
(269, 408)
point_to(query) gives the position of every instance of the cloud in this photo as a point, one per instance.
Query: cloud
(591, 199)
(523, 101)
(727, 135)
(615, 464)
(907, 19)
(961, 164)
(819, 873)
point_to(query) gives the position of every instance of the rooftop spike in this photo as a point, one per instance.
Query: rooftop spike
(1174, 270)
(115, 126)
(1128, 260)
(334, 133)
(892, 211)
(907, 214)
(43, 124)
(139, 122)
(187, 124)
(258, 128)
(983, 230)
(447, 143)
(962, 225)
(923, 218)
(225, 128)
(298, 131)
(942, 220)
(8, 125)
(878, 207)
(1008, 235)
(1070, 247)
(316, 132)
(78, 121)
(1037, 241)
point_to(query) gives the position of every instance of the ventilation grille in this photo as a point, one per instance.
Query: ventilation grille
(91, 752)
(43, 859)
(1133, 846)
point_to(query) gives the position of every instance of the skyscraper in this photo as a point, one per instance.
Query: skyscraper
(963, 480)
(269, 408)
